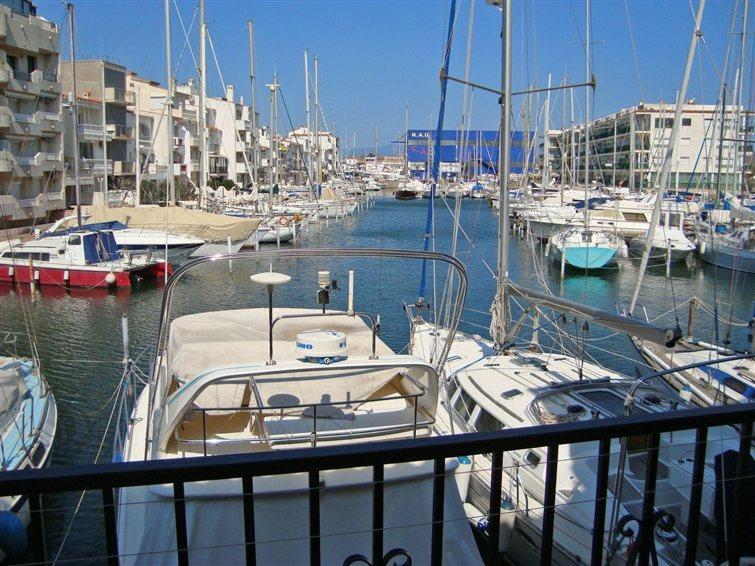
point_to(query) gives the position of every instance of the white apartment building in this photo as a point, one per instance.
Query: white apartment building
(627, 148)
(106, 128)
(303, 140)
(31, 161)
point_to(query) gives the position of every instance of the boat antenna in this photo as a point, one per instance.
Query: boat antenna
(500, 307)
(75, 106)
(436, 151)
(667, 159)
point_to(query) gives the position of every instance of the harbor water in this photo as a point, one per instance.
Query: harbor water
(79, 339)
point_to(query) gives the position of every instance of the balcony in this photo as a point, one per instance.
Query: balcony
(243, 125)
(120, 131)
(46, 81)
(93, 132)
(118, 96)
(5, 75)
(96, 166)
(7, 162)
(123, 168)
(21, 76)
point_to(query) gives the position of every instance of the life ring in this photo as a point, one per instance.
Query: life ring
(283, 221)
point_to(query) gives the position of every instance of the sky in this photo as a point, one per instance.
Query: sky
(378, 58)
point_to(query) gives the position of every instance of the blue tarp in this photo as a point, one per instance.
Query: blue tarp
(94, 226)
(99, 247)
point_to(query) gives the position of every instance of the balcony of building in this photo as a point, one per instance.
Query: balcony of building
(92, 132)
(118, 96)
(38, 164)
(95, 166)
(120, 131)
(124, 168)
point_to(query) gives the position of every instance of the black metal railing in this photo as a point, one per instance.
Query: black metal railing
(178, 472)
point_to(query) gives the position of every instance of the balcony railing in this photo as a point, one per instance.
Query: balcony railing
(120, 130)
(113, 94)
(109, 478)
(96, 165)
(21, 76)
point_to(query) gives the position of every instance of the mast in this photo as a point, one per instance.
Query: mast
(563, 143)
(502, 312)
(317, 132)
(308, 144)
(252, 111)
(666, 166)
(105, 194)
(406, 139)
(546, 138)
(170, 187)
(138, 170)
(573, 168)
(72, 44)
(587, 114)
(202, 109)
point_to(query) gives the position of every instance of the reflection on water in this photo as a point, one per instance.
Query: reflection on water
(79, 340)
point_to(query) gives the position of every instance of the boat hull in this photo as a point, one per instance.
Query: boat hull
(729, 258)
(80, 277)
(404, 195)
(584, 257)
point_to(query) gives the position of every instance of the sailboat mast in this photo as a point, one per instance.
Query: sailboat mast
(587, 113)
(74, 102)
(202, 111)
(563, 143)
(503, 176)
(170, 186)
(252, 110)
(317, 125)
(667, 158)
(406, 139)
(308, 144)
(546, 138)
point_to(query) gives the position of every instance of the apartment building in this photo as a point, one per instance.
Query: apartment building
(233, 122)
(302, 141)
(106, 130)
(627, 148)
(31, 161)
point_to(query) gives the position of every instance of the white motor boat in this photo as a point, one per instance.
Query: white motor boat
(669, 243)
(28, 422)
(139, 240)
(77, 258)
(264, 379)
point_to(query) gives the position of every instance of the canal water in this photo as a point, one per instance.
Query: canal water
(79, 333)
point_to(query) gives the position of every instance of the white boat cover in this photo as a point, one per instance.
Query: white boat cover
(220, 338)
(200, 343)
(175, 220)
(12, 384)
(215, 520)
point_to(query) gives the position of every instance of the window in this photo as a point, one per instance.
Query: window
(665, 123)
(12, 61)
(74, 240)
(634, 216)
(686, 121)
(463, 405)
(31, 64)
(486, 422)
(531, 458)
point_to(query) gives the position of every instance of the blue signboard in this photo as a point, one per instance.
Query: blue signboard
(477, 150)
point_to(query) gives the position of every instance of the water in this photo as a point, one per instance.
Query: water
(79, 338)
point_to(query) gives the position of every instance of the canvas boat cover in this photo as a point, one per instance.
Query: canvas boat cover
(12, 384)
(175, 220)
(203, 342)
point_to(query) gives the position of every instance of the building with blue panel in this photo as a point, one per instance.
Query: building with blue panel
(474, 153)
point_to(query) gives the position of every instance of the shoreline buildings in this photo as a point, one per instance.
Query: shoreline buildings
(627, 148)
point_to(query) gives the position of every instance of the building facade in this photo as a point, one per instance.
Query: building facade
(627, 148)
(31, 160)
(469, 153)
(106, 129)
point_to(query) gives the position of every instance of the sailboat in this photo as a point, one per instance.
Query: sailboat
(495, 384)
(28, 423)
(587, 248)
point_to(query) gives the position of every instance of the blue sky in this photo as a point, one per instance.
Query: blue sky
(377, 57)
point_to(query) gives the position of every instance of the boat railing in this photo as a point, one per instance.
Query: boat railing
(268, 411)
